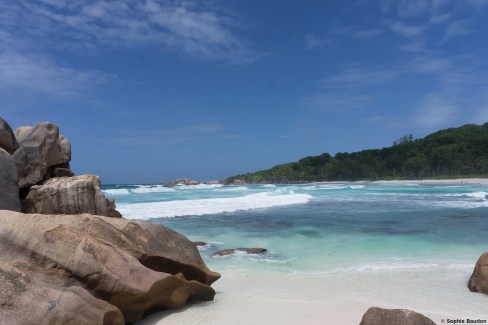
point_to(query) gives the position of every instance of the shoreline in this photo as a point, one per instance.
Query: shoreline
(339, 298)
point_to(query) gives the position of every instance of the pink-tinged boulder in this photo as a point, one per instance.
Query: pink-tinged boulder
(9, 185)
(479, 279)
(68, 195)
(40, 148)
(380, 316)
(7, 138)
(26, 299)
(132, 266)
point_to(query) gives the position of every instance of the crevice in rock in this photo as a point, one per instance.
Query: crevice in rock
(161, 264)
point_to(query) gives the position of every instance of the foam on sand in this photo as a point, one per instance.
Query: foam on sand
(199, 207)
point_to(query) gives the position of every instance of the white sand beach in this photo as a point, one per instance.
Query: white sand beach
(341, 298)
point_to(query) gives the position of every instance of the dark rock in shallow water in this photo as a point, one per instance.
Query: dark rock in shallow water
(9, 185)
(255, 251)
(379, 316)
(200, 243)
(87, 269)
(479, 279)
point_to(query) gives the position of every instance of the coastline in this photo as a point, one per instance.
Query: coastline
(454, 181)
(439, 293)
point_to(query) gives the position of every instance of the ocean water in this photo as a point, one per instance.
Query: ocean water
(322, 228)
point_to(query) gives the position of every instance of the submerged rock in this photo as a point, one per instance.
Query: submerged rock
(68, 195)
(88, 269)
(479, 279)
(9, 185)
(200, 243)
(379, 316)
(255, 251)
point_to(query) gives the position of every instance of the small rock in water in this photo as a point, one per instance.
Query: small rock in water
(225, 252)
(200, 243)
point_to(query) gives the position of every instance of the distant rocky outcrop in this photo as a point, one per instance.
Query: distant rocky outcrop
(68, 195)
(230, 251)
(479, 279)
(41, 150)
(379, 316)
(85, 269)
(187, 181)
(182, 181)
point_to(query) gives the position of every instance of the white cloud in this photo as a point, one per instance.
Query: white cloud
(407, 30)
(41, 74)
(457, 28)
(436, 111)
(314, 42)
(194, 30)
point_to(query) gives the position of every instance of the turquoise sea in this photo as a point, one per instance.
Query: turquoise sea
(322, 228)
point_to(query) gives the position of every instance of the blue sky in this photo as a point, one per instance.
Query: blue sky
(154, 90)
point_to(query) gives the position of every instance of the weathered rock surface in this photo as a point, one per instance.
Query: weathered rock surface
(243, 250)
(61, 172)
(9, 185)
(55, 269)
(479, 279)
(40, 147)
(68, 195)
(379, 316)
(7, 138)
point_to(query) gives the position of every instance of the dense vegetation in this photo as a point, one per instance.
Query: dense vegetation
(443, 154)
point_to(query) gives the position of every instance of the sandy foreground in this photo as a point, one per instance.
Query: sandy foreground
(341, 298)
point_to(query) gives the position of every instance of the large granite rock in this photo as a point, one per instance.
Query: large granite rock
(58, 268)
(40, 148)
(479, 279)
(379, 316)
(7, 138)
(9, 185)
(68, 195)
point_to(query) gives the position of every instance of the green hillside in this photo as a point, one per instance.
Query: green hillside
(447, 153)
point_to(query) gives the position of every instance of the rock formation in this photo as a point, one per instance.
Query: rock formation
(7, 138)
(379, 316)
(68, 195)
(479, 279)
(243, 250)
(41, 149)
(88, 269)
(9, 188)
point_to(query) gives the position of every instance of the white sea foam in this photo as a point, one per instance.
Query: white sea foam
(268, 185)
(200, 207)
(483, 196)
(232, 189)
(461, 204)
(117, 191)
(199, 186)
(152, 189)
